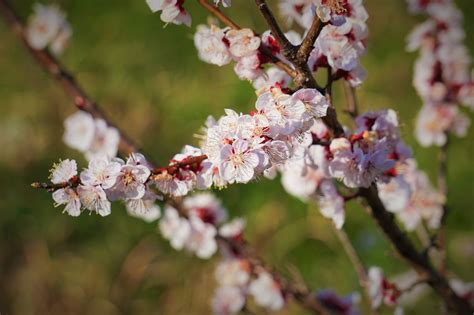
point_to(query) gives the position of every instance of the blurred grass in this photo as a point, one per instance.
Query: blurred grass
(149, 80)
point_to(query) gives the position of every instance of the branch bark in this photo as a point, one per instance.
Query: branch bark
(307, 44)
(407, 250)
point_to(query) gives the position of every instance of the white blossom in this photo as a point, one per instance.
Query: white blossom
(242, 42)
(48, 27)
(69, 197)
(202, 240)
(174, 228)
(267, 292)
(172, 11)
(238, 161)
(94, 199)
(209, 42)
(63, 171)
(228, 300)
(79, 131)
(102, 172)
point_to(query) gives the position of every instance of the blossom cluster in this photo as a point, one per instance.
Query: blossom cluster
(367, 155)
(411, 197)
(91, 136)
(238, 279)
(442, 75)
(221, 46)
(342, 40)
(103, 181)
(239, 147)
(48, 27)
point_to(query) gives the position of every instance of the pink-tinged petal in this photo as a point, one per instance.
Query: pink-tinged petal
(252, 159)
(227, 171)
(240, 146)
(226, 152)
(244, 173)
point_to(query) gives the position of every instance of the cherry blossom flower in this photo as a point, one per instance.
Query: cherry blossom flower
(206, 207)
(228, 300)
(172, 11)
(102, 172)
(335, 45)
(273, 76)
(285, 113)
(299, 11)
(395, 194)
(174, 228)
(105, 142)
(63, 171)
(242, 42)
(233, 229)
(144, 208)
(94, 199)
(434, 121)
(69, 197)
(238, 161)
(48, 27)
(331, 204)
(79, 131)
(211, 46)
(267, 292)
(130, 182)
(234, 272)
(202, 240)
(380, 289)
(248, 67)
(424, 203)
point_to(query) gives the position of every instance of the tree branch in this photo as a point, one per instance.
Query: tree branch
(407, 250)
(307, 44)
(64, 77)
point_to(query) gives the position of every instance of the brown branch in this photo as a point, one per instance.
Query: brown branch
(57, 71)
(304, 77)
(307, 44)
(358, 266)
(407, 250)
(275, 28)
(218, 14)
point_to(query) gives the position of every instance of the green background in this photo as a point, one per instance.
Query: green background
(148, 79)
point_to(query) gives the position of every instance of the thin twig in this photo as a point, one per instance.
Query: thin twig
(60, 73)
(352, 105)
(357, 265)
(275, 28)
